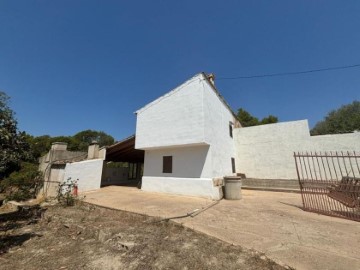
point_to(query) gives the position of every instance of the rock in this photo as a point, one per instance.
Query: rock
(9, 207)
(15, 203)
(263, 257)
(103, 236)
(120, 245)
(127, 245)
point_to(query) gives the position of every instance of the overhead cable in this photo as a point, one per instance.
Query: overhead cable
(289, 73)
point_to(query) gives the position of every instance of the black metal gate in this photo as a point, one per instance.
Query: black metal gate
(330, 183)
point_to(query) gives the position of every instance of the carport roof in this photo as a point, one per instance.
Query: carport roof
(124, 151)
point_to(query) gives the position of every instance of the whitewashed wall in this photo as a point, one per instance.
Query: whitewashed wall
(50, 188)
(190, 115)
(338, 142)
(199, 187)
(191, 124)
(173, 119)
(267, 151)
(88, 172)
(217, 135)
(191, 172)
(188, 162)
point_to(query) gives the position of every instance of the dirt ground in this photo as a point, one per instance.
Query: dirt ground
(89, 237)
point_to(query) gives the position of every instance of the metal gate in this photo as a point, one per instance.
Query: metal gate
(330, 183)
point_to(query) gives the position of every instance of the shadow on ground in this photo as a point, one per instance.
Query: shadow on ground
(10, 241)
(23, 216)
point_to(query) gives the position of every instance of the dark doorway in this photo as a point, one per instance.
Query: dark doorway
(123, 164)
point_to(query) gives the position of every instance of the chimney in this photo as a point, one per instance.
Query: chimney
(211, 78)
(93, 150)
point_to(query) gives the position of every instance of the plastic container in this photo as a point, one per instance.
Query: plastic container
(232, 187)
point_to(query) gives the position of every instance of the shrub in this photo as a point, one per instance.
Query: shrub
(65, 194)
(23, 184)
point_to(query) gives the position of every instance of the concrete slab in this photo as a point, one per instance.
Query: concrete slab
(270, 222)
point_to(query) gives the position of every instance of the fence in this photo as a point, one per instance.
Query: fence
(330, 183)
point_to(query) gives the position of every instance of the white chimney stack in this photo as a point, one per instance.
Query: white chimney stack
(93, 150)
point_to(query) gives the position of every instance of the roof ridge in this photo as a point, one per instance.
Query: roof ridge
(219, 95)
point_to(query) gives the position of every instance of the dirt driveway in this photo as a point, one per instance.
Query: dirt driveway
(270, 222)
(90, 237)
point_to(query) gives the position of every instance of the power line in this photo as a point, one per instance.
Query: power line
(288, 73)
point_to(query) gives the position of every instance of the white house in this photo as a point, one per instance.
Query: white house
(188, 140)
(191, 138)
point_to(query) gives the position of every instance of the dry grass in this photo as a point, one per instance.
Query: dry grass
(88, 237)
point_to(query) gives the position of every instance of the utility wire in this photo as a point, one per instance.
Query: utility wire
(288, 73)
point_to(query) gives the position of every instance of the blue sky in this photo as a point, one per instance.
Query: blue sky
(72, 65)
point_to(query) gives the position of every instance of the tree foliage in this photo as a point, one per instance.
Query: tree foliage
(79, 142)
(88, 136)
(39, 145)
(346, 119)
(13, 144)
(22, 184)
(271, 119)
(20, 179)
(247, 120)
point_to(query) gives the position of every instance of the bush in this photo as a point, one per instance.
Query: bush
(345, 119)
(65, 194)
(23, 184)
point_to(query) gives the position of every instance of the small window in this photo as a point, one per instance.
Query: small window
(231, 130)
(233, 165)
(167, 164)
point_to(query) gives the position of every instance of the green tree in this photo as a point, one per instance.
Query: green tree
(39, 145)
(88, 136)
(13, 144)
(79, 142)
(22, 184)
(346, 119)
(73, 143)
(269, 120)
(247, 120)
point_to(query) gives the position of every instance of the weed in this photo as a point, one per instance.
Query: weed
(67, 192)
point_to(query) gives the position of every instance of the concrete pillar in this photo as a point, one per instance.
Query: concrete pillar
(55, 147)
(102, 153)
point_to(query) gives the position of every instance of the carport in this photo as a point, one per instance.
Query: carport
(123, 164)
